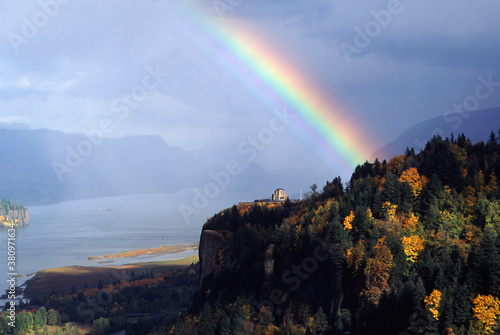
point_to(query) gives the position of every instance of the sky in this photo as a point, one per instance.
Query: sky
(187, 71)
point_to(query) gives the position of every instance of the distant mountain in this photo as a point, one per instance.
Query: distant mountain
(477, 125)
(45, 166)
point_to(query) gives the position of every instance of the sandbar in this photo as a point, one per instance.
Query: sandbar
(167, 249)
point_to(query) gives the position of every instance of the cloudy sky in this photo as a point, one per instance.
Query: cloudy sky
(155, 67)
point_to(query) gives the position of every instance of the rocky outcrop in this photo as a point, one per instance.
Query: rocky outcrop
(269, 273)
(22, 215)
(13, 213)
(211, 243)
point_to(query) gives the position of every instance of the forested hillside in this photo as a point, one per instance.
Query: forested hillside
(13, 214)
(409, 246)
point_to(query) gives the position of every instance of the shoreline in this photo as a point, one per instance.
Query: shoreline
(167, 249)
(66, 278)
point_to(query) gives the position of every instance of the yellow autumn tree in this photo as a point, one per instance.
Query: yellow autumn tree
(413, 178)
(348, 221)
(432, 303)
(390, 210)
(369, 215)
(486, 314)
(412, 246)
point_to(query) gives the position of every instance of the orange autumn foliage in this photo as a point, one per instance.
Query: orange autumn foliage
(377, 271)
(432, 303)
(413, 178)
(411, 223)
(486, 314)
(348, 221)
(355, 256)
(378, 268)
(396, 164)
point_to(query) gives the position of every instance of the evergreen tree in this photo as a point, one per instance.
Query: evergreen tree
(225, 326)
(235, 218)
(53, 317)
(391, 190)
(40, 319)
(4, 324)
(321, 322)
(100, 326)
(407, 199)
(207, 321)
(492, 140)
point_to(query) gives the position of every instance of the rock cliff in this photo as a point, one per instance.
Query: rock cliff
(13, 213)
(211, 243)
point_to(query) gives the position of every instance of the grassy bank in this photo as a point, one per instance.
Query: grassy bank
(64, 279)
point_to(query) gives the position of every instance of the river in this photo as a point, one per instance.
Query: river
(68, 233)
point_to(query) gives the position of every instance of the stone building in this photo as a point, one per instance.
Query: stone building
(279, 195)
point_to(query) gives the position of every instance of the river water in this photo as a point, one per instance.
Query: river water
(68, 233)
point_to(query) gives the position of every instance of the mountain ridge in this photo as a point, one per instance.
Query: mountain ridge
(476, 125)
(46, 166)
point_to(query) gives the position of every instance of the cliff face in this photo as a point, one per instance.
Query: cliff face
(211, 243)
(13, 213)
(239, 258)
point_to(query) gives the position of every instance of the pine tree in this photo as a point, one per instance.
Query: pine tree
(40, 319)
(235, 218)
(492, 140)
(407, 199)
(391, 190)
(432, 216)
(225, 326)
(461, 305)
(206, 320)
(321, 322)
(430, 192)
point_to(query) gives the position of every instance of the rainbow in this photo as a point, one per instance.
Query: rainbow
(269, 76)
